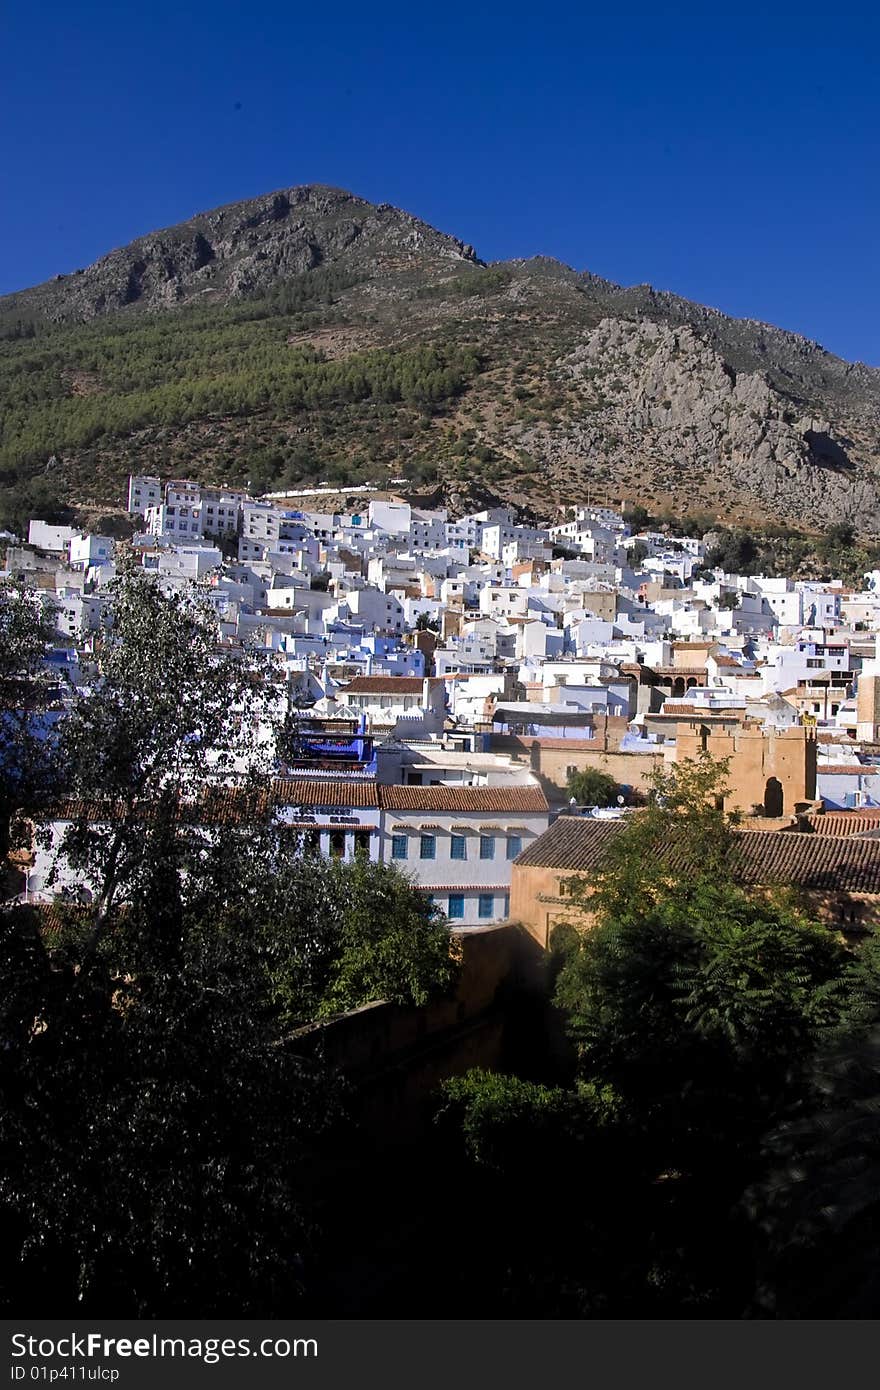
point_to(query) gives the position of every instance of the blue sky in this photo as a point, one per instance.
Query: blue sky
(728, 153)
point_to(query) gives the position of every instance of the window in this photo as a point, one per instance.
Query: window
(506, 904)
(485, 906)
(456, 906)
(337, 844)
(182, 526)
(458, 847)
(487, 846)
(362, 842)
(428, 847)
(170, 511)
(399, 846)
(514, 846)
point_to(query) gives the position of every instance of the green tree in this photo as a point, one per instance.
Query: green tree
(336, 935)
(29, 696)
(686, 974)
(736, 553)
(153, 1122)
(156, 1109)
(636, 516)
(592, 787)
(169, 714)
(839, 536)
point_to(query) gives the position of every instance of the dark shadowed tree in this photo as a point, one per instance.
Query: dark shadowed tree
(817, 1212)
(160, 1123)
(30, 698)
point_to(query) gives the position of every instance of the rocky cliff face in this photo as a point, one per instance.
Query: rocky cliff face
(243, 250)
(661, 400)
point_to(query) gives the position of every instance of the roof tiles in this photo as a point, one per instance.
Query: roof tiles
(388, 685)
(825, 862)
(480, 799)
(233, 805)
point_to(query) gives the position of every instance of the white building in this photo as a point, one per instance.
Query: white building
(87, 550)
(393, 517)
(53, 538)
(458, 843)
(412, 706)
(143, 492)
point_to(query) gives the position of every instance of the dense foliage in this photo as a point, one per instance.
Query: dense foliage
(159, 1111)
(723, 1094)
(98, 381)
(592, 787)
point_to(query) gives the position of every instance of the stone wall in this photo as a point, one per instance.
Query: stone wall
(550, 758)
(539, 901)
(398, 1056)
(780, 764)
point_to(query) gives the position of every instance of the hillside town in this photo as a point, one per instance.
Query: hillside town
(451, 680)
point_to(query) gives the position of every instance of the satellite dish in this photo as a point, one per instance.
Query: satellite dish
(621, 800)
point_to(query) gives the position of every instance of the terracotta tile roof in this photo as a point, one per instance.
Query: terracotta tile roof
(462, 887)
(52, 920)
(231, 805)
(572, 842)
(387, 685)
(845, 864)
(843, 823)
(485, 799)
(296, 791)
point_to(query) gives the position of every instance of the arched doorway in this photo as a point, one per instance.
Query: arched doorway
(678, 687)
(773, 797)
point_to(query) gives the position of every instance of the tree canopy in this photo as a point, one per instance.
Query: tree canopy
(698, 1011)
(158, 1113)
(592, 787)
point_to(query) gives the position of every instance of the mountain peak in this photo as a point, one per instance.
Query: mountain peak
(242, 249)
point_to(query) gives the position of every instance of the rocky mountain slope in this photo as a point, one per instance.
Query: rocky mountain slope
(242, 250)
(309, 336)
